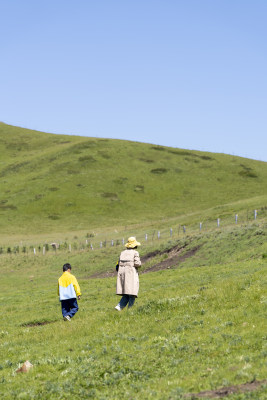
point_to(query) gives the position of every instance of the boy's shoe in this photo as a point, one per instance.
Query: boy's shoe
(118, 307)
(67, 318)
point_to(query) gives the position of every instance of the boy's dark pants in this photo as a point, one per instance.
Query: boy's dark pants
(69, 307)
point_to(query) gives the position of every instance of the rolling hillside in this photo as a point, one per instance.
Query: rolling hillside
(197, 329)
(58, 182)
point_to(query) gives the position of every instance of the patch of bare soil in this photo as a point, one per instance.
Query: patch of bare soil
(176, 255)
(36, 323)
(226, 391)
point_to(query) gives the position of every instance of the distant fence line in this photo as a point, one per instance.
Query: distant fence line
(89, 245)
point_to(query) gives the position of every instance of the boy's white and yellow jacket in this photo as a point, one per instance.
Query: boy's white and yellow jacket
(68, 287)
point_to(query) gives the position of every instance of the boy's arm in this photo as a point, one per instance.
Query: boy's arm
(76, 287)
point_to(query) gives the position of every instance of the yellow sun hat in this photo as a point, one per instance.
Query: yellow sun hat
(132, 242)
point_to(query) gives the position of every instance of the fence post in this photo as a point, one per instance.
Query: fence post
(184, 229)
(122, 240)
(146, 237)
(101, 244)
(43, 250)
(69, 247)
(171, 232)
(200, 226)
(218, 222)
(158, 234)
(255, 214)
(236, 218)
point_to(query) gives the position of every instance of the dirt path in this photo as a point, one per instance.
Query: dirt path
(175, 256)
(226, 391)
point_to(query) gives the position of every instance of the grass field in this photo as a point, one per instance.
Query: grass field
(199, 323)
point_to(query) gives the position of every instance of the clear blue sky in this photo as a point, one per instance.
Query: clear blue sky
(182, 73)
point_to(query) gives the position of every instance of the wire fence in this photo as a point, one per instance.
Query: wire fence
(146, 236)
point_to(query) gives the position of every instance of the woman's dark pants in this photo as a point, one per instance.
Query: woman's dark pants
(127, 299)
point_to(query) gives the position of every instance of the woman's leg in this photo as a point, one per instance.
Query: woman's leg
(123, 302)
(131, 301)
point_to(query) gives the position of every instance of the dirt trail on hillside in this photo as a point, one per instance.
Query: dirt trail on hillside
(175, 256)
(226, 391)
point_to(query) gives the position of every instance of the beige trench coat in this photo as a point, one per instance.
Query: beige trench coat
(128, 278)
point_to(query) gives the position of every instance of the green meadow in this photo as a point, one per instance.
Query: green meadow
(199, 323)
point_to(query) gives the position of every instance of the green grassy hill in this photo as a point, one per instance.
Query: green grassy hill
(58, 183)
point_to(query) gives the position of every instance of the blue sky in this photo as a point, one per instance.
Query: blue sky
(182, 73)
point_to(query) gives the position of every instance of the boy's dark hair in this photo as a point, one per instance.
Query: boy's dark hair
(66, 267)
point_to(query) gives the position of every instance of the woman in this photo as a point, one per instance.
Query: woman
(128, 278)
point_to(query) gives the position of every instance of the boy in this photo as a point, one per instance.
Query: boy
(68, 291)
